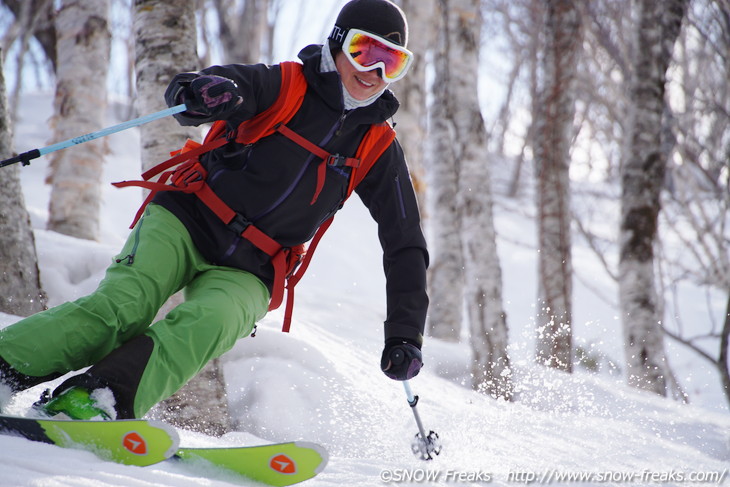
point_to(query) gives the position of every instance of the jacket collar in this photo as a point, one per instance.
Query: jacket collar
(329, 87)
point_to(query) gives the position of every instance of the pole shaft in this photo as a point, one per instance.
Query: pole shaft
(113, 129)
(35, 153)
(412, 401)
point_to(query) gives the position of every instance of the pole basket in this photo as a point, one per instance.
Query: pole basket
(426, 448)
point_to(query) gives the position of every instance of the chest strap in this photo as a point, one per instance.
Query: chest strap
(327, 158)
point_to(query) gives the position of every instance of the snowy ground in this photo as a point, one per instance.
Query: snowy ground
(322, 382)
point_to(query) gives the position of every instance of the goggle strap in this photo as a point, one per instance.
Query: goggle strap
(338, 35)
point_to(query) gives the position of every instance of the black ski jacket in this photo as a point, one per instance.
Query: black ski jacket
(272, 183)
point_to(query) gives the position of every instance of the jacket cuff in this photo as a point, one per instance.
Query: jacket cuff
(395, 330)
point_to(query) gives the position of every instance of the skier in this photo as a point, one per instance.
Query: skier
(180, 243)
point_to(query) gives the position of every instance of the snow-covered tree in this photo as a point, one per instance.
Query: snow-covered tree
(20, 286)
(553, 129)
(642, 179)
(83, 49)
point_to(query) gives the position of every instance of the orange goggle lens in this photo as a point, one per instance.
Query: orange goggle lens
(367, 52)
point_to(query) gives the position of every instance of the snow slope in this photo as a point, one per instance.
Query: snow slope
(322, 381)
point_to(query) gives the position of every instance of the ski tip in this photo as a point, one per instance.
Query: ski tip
(172, 432)
(317, 448)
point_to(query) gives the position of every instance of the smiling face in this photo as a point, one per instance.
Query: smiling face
(360, 85)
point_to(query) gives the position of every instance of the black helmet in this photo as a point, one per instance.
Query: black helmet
(380, 17)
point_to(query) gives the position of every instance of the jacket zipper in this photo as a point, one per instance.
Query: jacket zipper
(335, 130)
(130, 257)
(339, 124)
(399, 194)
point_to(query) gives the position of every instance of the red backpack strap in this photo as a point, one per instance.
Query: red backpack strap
(189, 169)
(291, 95)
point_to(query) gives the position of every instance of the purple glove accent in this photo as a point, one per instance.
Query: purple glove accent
(401, 360)
(414, 368)
(211, 96)
(212, 101)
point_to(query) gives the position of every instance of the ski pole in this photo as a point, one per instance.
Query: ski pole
(423, 445)
(25, 157)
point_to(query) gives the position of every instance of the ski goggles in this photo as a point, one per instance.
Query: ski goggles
(366, 52)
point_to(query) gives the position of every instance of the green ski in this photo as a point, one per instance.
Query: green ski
(277, 464)
(142, 442)
(131, 442)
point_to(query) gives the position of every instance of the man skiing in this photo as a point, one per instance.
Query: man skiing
(275, 186)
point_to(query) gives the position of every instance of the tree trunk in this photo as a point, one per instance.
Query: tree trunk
(43, 28)
(553, 135)
(20, 286)
(249, 24)
(201, 405)
(165, 45)
(482, 276)
(723, 361)
(642, 178)
(446, 279)
(83, 49)
(411, 92)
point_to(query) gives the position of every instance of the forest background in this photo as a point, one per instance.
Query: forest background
(605, 123)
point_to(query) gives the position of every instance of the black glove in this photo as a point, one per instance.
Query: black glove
(210, 95)
(401, 360)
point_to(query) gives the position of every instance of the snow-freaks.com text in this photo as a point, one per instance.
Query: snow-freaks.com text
(644, 477)
(551, 476)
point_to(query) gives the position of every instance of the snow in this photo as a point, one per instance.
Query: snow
(322, 381)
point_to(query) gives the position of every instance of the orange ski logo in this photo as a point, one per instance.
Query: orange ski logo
(133, 442)
(283, 464)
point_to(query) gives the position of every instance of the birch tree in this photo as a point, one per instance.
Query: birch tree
(553, 136)
(165, 44)
(411, 92)
(642, 178)
(83, 49)
(696, 211)
(20, 286)
(446, 281)
(461, 120)
(249, 23)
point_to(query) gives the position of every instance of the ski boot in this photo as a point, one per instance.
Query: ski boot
(78, 403)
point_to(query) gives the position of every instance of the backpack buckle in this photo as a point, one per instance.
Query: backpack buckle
(239, 224)
(338, 160)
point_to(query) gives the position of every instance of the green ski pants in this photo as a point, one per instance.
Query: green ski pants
(221, 305)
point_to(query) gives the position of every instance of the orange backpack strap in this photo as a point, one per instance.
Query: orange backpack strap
(375, 142)
(291, 94)
(288, 102)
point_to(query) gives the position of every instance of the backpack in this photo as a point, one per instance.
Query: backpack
(189, 176)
